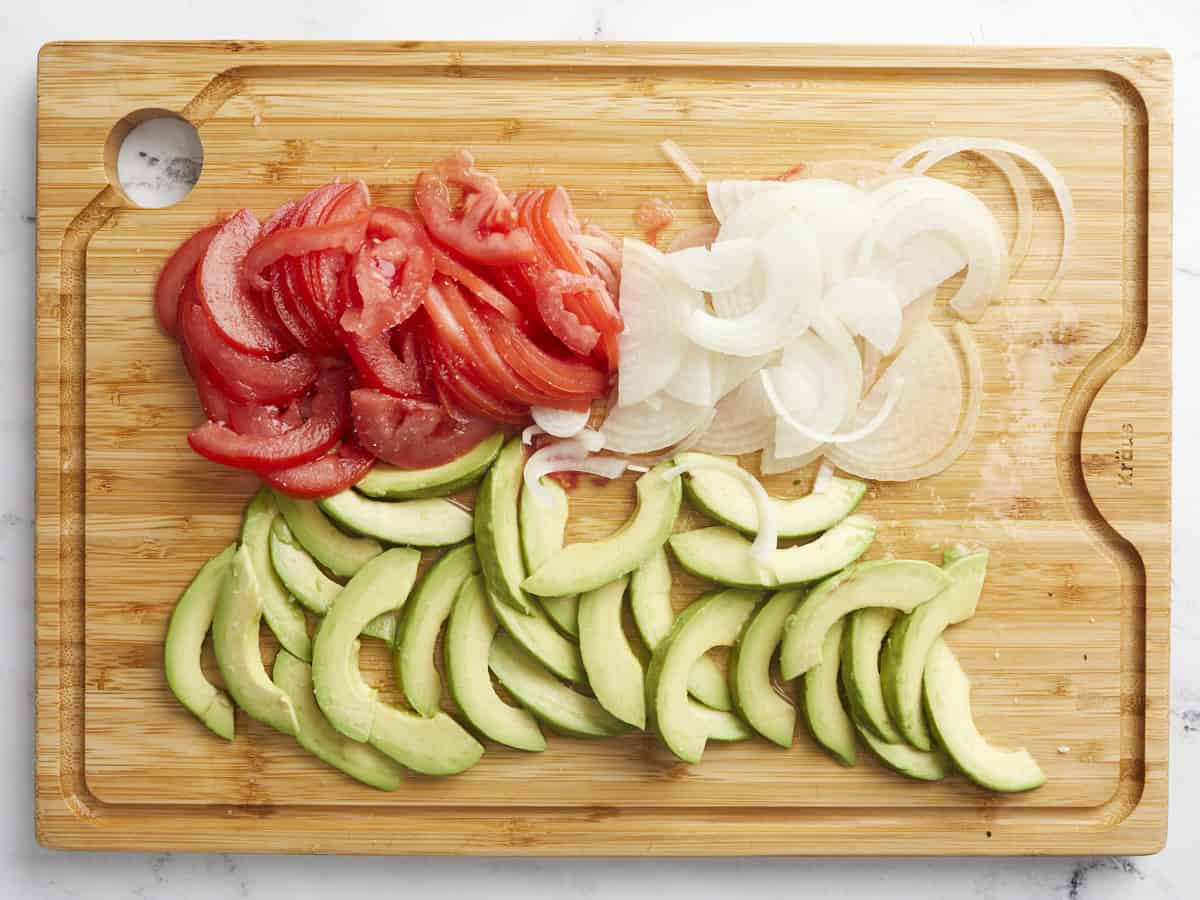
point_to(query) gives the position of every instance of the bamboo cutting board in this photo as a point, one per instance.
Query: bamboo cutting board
(1067, 481)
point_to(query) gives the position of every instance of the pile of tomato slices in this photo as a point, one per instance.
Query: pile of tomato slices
(338, 332)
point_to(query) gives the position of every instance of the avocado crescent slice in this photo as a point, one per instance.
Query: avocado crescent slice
(284, 617)
(497, 533)
(614, 672)
(469, 639)
(722, 497)
(756, 697)
(715, 619)
(543, 523)
(948, 706)
(863, 636)
(190, 622)
(434, 746)
(591, 564)
(337, 551)
(315, 590)
(650, 600)
(824, 713)
(432, 522)
(536, 633)
(553, 702)
(361, 762)
(386, 482)
(923, 765)
(721, 554)
(902, 584)
(235, 642)
(903, 662)
(424, 615)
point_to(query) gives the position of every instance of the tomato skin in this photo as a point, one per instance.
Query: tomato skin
(412, 434)
(330, 474)
(406, 249)
(175, 274)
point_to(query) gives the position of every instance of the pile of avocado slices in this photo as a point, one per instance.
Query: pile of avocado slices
(511, 630)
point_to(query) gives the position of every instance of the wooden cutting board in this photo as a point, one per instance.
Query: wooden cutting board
(1067, 480)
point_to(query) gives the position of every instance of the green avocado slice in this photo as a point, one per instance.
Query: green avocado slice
(424, 615)
(337, 551)
(923, 765)
(902, 584)
(469, 639)
(721, 496)
(822, 705)
(650, 600)
(190, 622)
(948, 706)
(591, 564)
(433, 522)
(536, 633)
(903, 662)
(390, 483)
(769, 713)
(235, 641)
(361, 762)
(553, 702)
(714, 620)
(722, 555)
(497, 532)
(284, 617)
(861, 640)
(543, 524)
(613, 669)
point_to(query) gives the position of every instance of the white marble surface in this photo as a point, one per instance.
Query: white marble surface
(27, 871)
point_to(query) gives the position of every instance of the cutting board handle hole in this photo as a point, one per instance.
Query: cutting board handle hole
(153, 157)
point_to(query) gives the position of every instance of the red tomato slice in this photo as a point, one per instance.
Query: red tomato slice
(267, 453)
(485, 230)
(297, 241)
(463, 398)
(446, 265)
(308, 305)
(558, 225)
(405, 251)
(225, 293)
(322, 271)
(547, 372)
(175, 274)
(381, 366)
(212, 399)
(331, 474)
(412, 434)
(260, 420)
(243, 376)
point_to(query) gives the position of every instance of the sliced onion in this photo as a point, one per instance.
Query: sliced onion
(727, 197)
(824, 477)
(741, 424)
(868, 307)
(719, 268)
(766, 541)
(847, 437)
(567, 456)
(695, 382)
(770, 464)
(696, 236)
(530, 432)
(686, 167)
(651, 426)
(917, 267)
(812, 382)
(560, 423)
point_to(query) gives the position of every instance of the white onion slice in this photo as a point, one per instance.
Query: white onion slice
(820, 437)
(688, 169)
(727, 197)
(824, 477)
(742, 422)
(530, 432)
(567, 456)
(719, 268)
(813, 382)
(559, 423)
(696, 236)
(868, 307)
(644, 428)
(766, 541)
(695, 382)
(770, 464)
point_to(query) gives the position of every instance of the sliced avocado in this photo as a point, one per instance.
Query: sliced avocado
(592, 564)
(822, 704)
(284, 617)
(235, 641)
(468, 643)
(861, 640)
(714, 620)
(190, 622)
(650, 600)
(722, 555)
(390, 483)
(769, 713)
(434, 522)
(948, 706)
(923, 765)
(614, 672)
(903, 662)
(424, 615)
(543, 524)
(361, 762)
(902, 584)
(553, 702)
(536, 633)
(314, 589)
(720, 725)
(433, 746)
(721, 496)
(497, 533)
(337, 551)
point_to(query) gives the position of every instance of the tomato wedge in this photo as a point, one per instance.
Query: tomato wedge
(175, 274)
(225, 292)
(485, 229)
(410, 433)
(266, 453)
(405, 251)
(447, 265)
(330, 474)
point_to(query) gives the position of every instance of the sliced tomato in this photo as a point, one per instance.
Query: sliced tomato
(225, 293)
(311, 304)
(541, 368)
(322, 271)
(243, 376)
(461, 396)
(383, 365)
(212, 399)
(410, 433)
(558, 226)
(447, 265)
(331, 474)
(392, 276)
(279, 219)
(267, 453)
(260, 419)
(297, 241)
(175, 274)
(485, 228)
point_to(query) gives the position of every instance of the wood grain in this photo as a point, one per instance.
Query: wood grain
(1070, 645)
